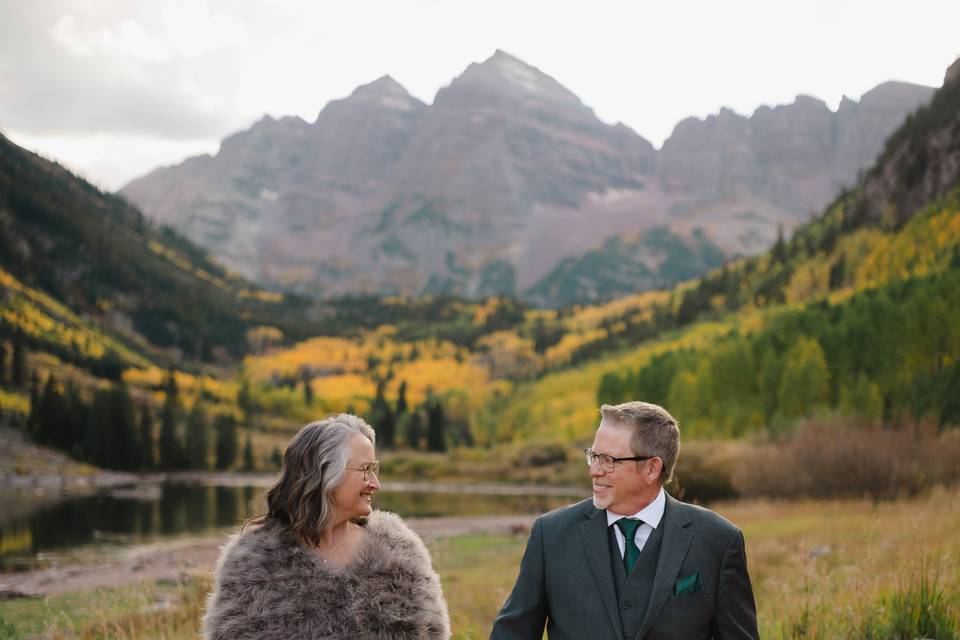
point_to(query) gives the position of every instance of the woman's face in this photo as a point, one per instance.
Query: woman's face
(352, 499)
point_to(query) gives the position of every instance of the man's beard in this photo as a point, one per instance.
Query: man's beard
(601, 503)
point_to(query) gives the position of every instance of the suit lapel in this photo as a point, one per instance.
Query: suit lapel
(673, 549)
(593, 535)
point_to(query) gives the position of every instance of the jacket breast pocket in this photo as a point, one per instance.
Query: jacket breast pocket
(700, 599)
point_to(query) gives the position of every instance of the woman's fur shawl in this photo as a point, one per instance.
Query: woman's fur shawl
(270, 587)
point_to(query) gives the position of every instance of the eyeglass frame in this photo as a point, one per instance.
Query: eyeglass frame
(368, 469)
(590, 453)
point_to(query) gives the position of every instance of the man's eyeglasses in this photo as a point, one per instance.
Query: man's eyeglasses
(369, 469)
(607, 462)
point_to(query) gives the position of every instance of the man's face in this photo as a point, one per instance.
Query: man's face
(626, 489)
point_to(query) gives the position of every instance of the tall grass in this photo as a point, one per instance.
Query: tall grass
(821, 569)
(921, 610)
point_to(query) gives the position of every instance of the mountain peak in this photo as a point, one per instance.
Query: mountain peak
(502, 57)
(385, 85)
(384, 93)
(503, 73)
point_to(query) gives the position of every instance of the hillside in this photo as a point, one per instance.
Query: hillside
(504, 185)
(78, 262)
(857, 314)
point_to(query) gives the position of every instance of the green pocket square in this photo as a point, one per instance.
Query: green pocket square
(690, 584)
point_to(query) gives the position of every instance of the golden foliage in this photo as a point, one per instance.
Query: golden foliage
(563, 405)
(591, 317)
(261, 338)
(41, 317)
(507, 355)
(560, 353)
(810, 280)
(440, 375)
(926, 245)
(320, 354)
(14, 402)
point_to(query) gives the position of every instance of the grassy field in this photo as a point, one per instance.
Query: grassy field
(836, 569)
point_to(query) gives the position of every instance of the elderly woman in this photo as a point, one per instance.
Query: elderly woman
(321, 563)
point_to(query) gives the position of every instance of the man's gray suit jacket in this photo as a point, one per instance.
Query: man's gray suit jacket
(566, 580)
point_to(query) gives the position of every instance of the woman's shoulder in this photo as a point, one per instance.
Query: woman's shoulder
(389, 531)
(255, 546)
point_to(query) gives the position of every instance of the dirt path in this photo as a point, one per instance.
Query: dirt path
(181, 559)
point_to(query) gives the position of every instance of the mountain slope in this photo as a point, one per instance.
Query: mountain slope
(624, 264)
(857, 314)
(100, 258)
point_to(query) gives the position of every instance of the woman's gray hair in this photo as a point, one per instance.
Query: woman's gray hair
(655, 432)
(313, 467)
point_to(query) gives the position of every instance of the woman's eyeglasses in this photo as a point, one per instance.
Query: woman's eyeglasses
(369, 469)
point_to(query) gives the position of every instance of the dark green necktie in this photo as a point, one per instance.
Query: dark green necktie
(630, 552)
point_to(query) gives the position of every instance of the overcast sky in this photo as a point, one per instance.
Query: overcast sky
(115, 88)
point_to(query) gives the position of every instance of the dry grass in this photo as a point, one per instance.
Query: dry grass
(820, 569)
(816, 564)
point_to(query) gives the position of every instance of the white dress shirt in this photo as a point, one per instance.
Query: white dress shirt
(651, 515)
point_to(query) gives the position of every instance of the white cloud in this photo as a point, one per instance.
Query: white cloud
(191, 71)
(110, 161)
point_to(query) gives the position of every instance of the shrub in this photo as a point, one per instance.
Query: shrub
(541, 455)
(833, 459)
(704, 471)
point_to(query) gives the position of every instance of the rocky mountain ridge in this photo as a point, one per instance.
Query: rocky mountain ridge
(499, 181)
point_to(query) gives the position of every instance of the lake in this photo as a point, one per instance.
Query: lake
(36, 532)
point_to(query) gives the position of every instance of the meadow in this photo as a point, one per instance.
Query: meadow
(820, 569)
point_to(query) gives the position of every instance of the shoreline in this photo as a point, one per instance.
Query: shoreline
(67, 485)
(182, 559)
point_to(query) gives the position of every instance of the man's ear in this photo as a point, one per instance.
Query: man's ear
(655, 468)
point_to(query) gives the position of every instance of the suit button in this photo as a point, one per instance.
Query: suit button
(626, 604)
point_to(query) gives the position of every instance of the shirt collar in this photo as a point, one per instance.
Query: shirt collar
(651, 514)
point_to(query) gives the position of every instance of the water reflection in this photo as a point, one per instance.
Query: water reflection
(138, 516)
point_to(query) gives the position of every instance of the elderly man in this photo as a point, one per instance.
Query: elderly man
(632, 562)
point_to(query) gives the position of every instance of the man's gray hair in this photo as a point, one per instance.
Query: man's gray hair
(313, 467)
(655, 431)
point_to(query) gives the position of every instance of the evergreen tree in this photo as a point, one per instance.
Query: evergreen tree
(96, 441)
(610, 390)
(122, 430)
(196, 437)
(276, 458)
(227, 444)
(414, 430)
(18, 363)
(838, 272)
(51, 417)
(779, 251)
(245, 399)
(31, 425)
(436, 440)
(402, 398)
(382, 417)
(248, 454)
(307, 376)
(171, 449)
(77, 417)
(147, 460)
